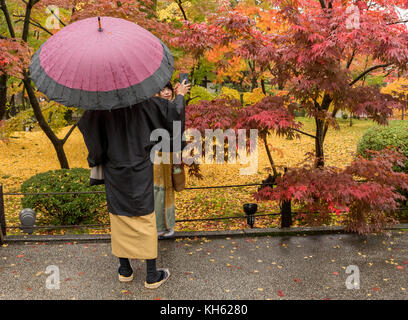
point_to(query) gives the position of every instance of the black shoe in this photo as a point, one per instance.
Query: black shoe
(125, 275)
(158, 283)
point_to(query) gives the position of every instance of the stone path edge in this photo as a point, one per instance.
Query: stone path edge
(15, 239)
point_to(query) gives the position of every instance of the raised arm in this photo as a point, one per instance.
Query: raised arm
(93, 131)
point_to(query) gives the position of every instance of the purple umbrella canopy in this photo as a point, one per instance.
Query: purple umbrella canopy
(115, 66)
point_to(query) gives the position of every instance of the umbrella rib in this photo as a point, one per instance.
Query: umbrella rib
(130, 86)
(143, 48)
(62, 69)
(116, 86)
(77, 73)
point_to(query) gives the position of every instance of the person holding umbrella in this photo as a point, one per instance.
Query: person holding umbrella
(120, 141)
(113, 72)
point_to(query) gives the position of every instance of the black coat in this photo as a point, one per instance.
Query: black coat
(120, 141)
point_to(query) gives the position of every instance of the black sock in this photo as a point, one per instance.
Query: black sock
(152, 274)
(125, 269)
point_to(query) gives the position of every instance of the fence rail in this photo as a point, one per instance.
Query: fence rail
(99, 226)
(94, 192)
(4, 227)
(103, 225)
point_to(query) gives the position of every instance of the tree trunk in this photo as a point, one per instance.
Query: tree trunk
(263, 86)
(275, 172)
(62, 158)
(12, 104)
(319, 140)
(22, 99)
(286, 214)
(57, 143)
(286, 211)
(8, 19)
(26, 24)
(322, 127)
(254, 83)
(3, 95)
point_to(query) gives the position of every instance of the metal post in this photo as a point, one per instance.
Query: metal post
(2, 215)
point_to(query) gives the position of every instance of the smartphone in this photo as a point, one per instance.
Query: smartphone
(184, 76)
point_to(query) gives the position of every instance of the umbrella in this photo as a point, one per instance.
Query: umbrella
(101, 65)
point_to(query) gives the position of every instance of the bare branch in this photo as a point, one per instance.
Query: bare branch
(305, 133)
(351, 58)
(69, 133)
(41, 27)
(268, 152)
(368, 71)
(397, 22)
(58, 18)
(27, 20)
(33, 22)
(322, 4)
(7, 16)
(180, 5)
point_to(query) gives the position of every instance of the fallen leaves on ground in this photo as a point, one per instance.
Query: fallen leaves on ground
(36, 149)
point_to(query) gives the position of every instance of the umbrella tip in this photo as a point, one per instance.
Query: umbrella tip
(99, 22)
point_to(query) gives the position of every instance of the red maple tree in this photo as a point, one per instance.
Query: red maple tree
(366, 192)
(314, 58)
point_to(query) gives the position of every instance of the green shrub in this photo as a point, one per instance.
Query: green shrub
(64, 209)
(199, 93)
(300, 113)
(378, 138)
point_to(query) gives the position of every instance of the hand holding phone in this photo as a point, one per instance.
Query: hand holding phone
(184, 86)
(184, 76)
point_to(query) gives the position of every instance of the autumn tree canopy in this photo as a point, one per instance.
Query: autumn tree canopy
(290, 55)
(314, 53)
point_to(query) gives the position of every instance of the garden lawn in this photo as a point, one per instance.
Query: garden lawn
(28, 153)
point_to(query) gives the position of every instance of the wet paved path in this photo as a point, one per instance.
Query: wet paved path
(230, 268)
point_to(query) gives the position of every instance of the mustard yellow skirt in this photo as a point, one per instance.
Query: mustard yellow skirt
(134, 237)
